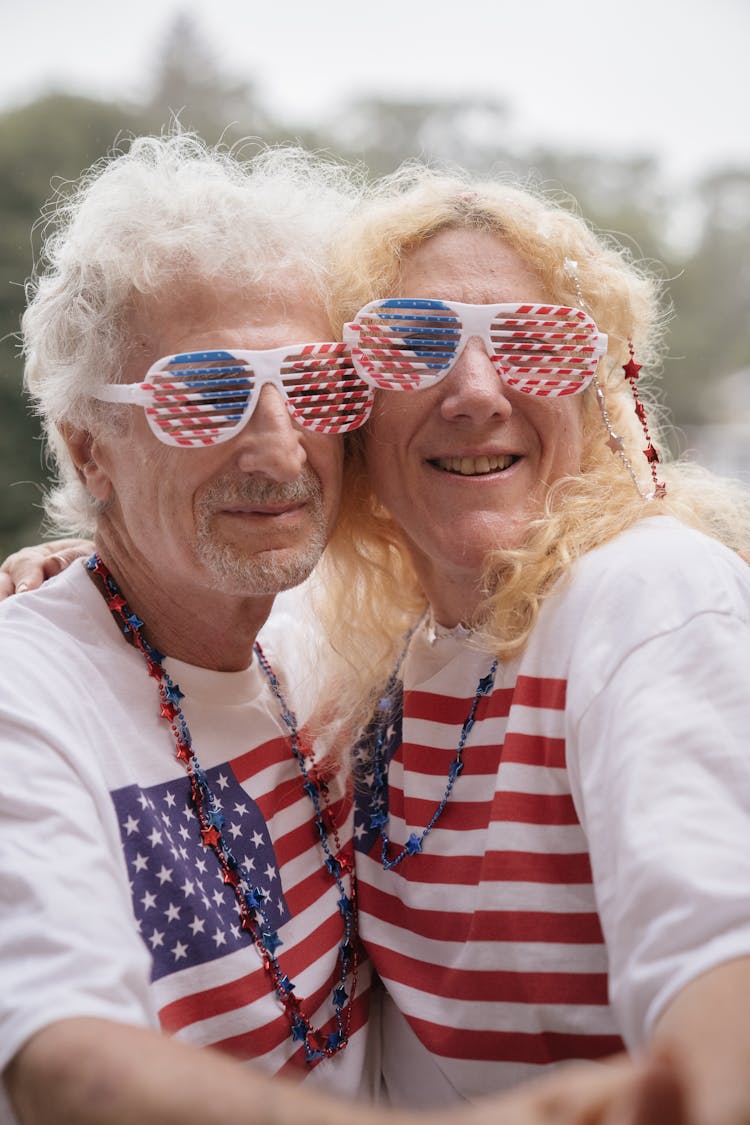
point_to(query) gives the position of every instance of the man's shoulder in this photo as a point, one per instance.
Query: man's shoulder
(53, 623)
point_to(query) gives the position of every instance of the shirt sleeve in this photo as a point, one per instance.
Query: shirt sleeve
(660, 770)
(68, 943)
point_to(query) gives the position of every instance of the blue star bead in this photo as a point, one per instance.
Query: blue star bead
(321, 828)
(215, 817)
(413, 844)
(377, 819)
(339, 996)
(299, 1031)
(468, 725)
(254, 898)
(333, 865)
(455, 768)
(285, 985)
(173, 693)
(311, 789)
(134, 621)
(271, 940)
(334, 1040)
(344, 906)
(347, 953)
(486, 683)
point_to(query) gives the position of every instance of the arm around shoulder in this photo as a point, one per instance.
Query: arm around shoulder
(27, 568)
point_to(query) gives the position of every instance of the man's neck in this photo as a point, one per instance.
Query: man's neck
(198, 626)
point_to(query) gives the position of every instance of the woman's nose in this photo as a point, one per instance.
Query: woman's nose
(473, 389)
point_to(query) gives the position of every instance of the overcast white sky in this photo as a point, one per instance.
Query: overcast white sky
(669, 77)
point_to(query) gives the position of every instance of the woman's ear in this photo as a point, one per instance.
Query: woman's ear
(82, 448)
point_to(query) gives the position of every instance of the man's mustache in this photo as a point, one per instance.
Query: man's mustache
(258, 490)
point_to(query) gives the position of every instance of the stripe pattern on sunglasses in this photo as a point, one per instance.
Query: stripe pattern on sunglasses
(539, 349)
(199, 398)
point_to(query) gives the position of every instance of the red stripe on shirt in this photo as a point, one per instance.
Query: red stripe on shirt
(484, 925)
(490, 986)
(513, 1046)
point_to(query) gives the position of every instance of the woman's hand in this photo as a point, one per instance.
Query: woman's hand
(28, 568)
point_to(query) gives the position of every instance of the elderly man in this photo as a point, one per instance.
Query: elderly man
(171, 852)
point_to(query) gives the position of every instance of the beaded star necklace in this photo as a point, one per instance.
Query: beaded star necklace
(251, 899)
(383, 713)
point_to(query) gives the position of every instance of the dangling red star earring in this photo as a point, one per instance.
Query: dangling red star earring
(632, 371)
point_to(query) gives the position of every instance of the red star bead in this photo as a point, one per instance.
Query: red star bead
(210, 837)
(184, 753)
(116, 602)
(660, 491)
(168, 711)
(651, 454)
(631, 368)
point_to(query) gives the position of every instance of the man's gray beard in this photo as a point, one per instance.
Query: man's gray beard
(265, 572)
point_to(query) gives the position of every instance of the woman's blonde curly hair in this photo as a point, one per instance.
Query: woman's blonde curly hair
(370, 593)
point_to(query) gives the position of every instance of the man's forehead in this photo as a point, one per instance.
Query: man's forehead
(202, 315)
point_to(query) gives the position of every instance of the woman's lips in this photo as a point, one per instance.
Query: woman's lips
(475, 466)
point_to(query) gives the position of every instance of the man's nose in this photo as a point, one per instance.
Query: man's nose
(473, 389)
(270, 444)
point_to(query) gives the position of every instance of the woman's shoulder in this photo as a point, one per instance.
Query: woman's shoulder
(661, 553)
(651, 579)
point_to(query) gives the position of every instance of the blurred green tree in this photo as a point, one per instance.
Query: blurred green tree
(711, 328)
(48, 142)
(42, 145)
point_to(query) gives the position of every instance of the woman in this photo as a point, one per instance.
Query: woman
(555, 788)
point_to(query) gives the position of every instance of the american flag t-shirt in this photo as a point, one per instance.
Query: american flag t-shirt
(208, 980)
(185, 913)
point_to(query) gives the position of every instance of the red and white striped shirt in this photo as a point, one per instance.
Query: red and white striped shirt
(576, 773)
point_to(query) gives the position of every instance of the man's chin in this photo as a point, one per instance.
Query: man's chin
(265, 573)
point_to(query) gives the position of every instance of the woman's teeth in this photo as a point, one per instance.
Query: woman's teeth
(474, 466)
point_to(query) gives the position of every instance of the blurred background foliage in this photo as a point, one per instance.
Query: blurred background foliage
(697, 238)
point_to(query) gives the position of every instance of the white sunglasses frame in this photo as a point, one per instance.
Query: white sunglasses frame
(266, 369)
(475, 322)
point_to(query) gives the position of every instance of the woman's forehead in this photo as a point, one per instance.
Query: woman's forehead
(469, 265)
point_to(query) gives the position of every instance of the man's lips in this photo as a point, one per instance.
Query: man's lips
(475, 466)
(250, 509)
